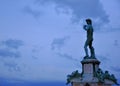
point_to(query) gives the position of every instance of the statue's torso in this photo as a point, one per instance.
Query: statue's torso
(90, 32)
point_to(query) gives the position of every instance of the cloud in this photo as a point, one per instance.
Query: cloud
(81, 9)
(116, 43)
(102, 58)
(35, 57)
(58, 43)
(12, 66)
(9, 48)
(70, 58)
(12, 43)
(65, 55)
(116, 69)
(29, 10)
(9, 53)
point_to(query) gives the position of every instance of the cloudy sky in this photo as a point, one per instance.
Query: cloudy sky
(42, 40)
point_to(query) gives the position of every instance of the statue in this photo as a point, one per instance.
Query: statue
(114, 79)
(100, 75)
(107, 75)
(74, 74)
(89, 29)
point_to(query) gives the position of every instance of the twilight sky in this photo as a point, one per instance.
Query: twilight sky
(42, 40)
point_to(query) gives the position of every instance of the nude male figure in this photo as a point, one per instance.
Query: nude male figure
(89, 29)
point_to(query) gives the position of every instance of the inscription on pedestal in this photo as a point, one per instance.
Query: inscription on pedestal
(88, 68)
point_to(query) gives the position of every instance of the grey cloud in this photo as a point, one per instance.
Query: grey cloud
(102, 58)
(35, 13)
(110, 30)
(81, 9)
(116, 43)
(12, 43)
(36, 49)
(35, 57)
(65, 55)
(9, 53)
(71, 58)
(116, 69)
(10, 48)
(58, 43)
(12, 66)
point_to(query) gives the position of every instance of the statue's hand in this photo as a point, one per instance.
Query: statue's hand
(84, 27)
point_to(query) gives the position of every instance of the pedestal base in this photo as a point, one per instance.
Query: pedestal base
(91, 75)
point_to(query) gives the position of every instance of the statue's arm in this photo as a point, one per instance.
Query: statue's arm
(85, 27)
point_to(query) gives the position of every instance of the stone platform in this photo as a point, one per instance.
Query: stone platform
(91, 75)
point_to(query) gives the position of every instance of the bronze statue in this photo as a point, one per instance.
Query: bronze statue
(89, 29)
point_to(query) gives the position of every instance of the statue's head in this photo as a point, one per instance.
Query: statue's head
(89, 21)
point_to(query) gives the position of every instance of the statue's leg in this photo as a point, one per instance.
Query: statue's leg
(92, 52)
(85, 47)
(92, 49)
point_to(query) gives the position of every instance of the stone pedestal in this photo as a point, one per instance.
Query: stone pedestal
(91, 75)
(90, 66)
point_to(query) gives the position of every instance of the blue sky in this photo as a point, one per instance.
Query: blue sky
(42, 40)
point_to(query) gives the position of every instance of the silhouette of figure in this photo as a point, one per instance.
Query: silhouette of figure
(89, 29)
